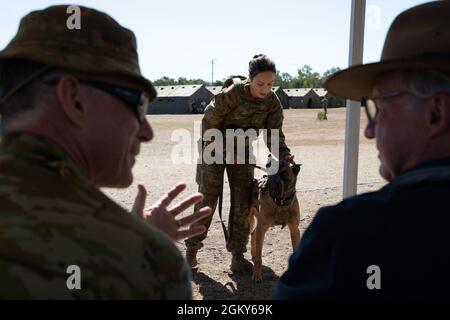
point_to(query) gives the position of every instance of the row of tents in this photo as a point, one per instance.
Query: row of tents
(185, 99)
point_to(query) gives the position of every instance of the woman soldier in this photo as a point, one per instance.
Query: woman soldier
(243, 103)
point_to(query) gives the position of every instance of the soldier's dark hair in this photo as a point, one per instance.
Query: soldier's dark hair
(260, 63)
(12, 73)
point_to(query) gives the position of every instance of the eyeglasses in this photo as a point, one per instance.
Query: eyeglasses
(138, 101)
(371, 103)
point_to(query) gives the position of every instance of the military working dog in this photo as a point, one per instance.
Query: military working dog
(274, 202)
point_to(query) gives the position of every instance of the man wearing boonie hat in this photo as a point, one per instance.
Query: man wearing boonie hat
(73, 105)
(392, 243)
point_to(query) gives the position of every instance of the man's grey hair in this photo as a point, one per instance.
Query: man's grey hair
(425, 83)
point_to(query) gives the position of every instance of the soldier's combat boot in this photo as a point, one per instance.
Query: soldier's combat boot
(239, 263)
(191, 257)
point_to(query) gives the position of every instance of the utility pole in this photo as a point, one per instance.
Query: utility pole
(212, 71)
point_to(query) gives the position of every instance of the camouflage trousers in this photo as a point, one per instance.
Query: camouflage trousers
(209, 179)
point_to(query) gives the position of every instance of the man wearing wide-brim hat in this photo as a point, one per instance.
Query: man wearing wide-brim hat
(73, 106)
(392, 243)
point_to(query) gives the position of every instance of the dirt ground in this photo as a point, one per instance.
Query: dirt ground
(317, 145)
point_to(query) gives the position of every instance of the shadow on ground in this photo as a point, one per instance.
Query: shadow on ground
(239, 287)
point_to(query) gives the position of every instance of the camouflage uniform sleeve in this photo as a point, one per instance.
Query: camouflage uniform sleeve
(275, 121)
(180, 287)
(222, 104)
(170, 266)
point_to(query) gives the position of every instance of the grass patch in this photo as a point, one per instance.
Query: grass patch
(321, 115)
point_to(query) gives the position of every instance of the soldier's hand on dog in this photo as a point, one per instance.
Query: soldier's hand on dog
(165, 219)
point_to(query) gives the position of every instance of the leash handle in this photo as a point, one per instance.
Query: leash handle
(224, 228)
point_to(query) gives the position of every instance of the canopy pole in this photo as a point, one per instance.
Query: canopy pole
(353, 108)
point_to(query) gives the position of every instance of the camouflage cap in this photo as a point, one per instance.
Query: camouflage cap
(101, 46)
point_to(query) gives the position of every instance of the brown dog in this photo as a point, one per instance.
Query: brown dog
(274, 202)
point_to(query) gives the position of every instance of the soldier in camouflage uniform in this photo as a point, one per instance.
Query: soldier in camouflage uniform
(73, 106)
(242, 104)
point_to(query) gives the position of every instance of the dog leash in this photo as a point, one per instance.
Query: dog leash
(227, 233)
(224, 228)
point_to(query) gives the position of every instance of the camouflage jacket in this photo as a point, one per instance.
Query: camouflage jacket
(235, 107)
(52, 217)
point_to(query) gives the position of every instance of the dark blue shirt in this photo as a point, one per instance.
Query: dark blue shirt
(403, 229)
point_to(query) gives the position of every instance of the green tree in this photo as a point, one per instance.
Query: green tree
(305, 78)
(278, 81)
(312, 80)
(197, 81)
(286, 80)
(327, 74)
(182, 81)
(164, 81)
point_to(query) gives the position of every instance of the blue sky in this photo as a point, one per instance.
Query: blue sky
(179, 38)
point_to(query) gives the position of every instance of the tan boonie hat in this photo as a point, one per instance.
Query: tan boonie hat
(419, 38)
(102, 46)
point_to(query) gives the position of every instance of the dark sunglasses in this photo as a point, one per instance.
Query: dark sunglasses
(138, 101)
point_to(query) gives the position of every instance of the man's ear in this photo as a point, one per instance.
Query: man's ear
(68, 95)
(439, 116)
